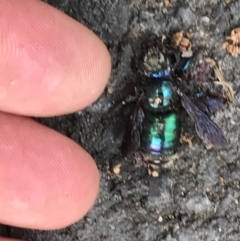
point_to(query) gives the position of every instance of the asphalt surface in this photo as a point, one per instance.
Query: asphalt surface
(198, 197)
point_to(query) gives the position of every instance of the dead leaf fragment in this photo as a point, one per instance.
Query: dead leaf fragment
(186, 139)
(232, 45)
(227, 86)
(181, 41)
(177, 38)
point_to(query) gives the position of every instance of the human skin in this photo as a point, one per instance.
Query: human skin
(49, 65)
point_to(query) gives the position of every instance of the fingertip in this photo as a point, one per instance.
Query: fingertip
(47, 181)
(9, 239)
(50, 63)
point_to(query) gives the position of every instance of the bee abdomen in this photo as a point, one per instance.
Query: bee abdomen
(161, 133)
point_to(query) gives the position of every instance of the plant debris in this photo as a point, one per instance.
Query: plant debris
(167, 2)
(114, 173)
(187, 140)
(153, 170)
(183, 43)
(232, 45)
(228, 89)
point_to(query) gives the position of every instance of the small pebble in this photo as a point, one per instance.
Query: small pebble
(205, 20)
(117, 169)
(110, 89)
(187, 16)
(155, 174)
(160, 219)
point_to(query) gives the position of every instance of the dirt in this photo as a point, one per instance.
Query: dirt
(197, 197)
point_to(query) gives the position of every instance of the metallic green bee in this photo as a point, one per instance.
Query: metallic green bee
(155, 125)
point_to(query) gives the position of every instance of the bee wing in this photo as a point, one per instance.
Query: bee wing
(207, 130)
(132, 136)
(214, 105)
(211, 105)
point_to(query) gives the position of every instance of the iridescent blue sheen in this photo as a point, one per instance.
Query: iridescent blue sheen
(155, 144)
(167, 93)
(161, 74)
(187, 64)
(159, 94)
(199, 94)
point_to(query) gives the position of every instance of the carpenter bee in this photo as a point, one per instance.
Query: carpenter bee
(155, 126)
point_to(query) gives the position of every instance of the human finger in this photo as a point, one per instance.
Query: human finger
(49, 64)
(9, 239)
(47, 181)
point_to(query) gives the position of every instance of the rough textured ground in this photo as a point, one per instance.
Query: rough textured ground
(199, 197)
